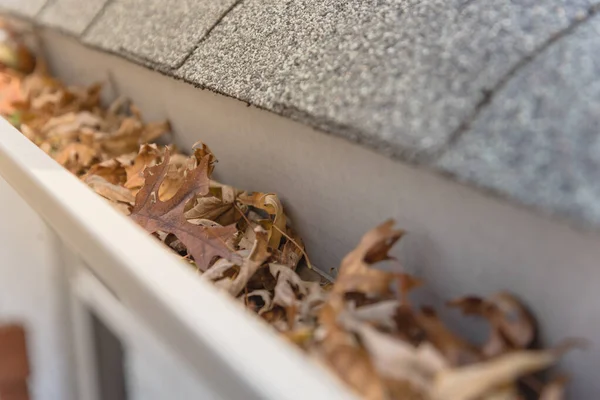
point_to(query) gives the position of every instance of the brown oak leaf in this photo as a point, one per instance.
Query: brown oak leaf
(203, 242)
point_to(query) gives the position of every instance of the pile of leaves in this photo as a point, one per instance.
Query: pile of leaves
(363, 326)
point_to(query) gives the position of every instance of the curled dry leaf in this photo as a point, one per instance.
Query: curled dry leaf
(247, 268)
(292, 292)
(203, 243)
(223, 269)
(219, 206)
(355, 273)
(201, 150)
(260, 300)
(270, 203)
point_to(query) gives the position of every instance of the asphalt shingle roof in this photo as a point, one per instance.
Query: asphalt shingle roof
(399, 75)
(23, 8)
(161, 33)
(499, 94)
(539, 138)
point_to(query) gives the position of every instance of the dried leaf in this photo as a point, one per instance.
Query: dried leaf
(220, 269)
(355, 273)
(292, 251)
(398, 360)
(203, 243)
(258, 255)
(471, 382)
(270, 203)
(67, 128)
(291, 291)
(10, 92)
(108, 190)
(219, 206)
(111, 170)
(76, 157)
(381, 314)
(456, 350)
(125, 140)
(555, 389)
(123, 208)
(407, 326)
(171, 184)
(13, 53)
(507, 392)
(352, 363)
(148, 156)
(264, 296)
(201, 150)
(512, 326)
(406, 284)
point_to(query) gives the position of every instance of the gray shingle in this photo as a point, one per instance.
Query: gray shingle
(401, 76)
(539, 139)
(398, 75)
(159, 32)
(25, 8)
(72, 16)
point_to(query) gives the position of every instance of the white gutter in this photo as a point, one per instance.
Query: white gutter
(236, 355)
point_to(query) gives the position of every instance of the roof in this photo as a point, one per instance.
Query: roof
(502, 95)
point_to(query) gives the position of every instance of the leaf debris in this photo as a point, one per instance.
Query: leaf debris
(363, 325)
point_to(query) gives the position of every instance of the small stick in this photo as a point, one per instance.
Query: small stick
(242, 214)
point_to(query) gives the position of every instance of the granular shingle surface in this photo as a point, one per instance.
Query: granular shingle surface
(72, 16)
(399, 75)
(539, 139)
(163, 33)
(25, 8)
